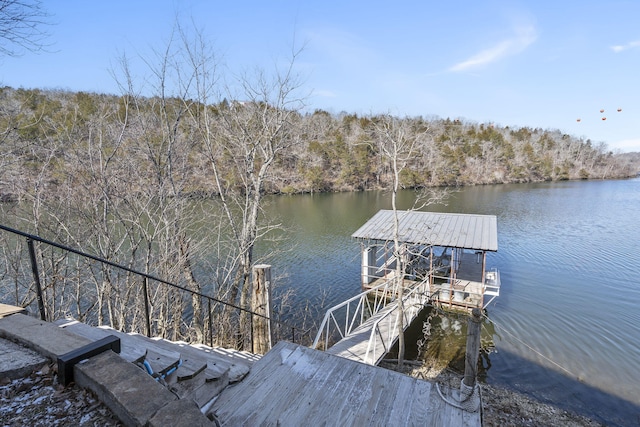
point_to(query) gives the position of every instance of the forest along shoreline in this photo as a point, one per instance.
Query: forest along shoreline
(51, 140)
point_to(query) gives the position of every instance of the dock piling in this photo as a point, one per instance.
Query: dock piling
(469, 396)
(261, 304)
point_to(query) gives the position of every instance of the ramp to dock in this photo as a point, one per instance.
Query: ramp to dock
(373, 339)
(294, 385)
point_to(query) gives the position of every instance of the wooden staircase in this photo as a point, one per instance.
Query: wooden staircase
(195, 372)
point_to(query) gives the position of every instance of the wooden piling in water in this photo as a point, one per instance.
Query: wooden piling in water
(473, 348)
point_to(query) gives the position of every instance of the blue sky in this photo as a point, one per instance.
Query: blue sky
(542, 64)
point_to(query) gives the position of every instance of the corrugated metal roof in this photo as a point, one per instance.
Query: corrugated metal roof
(469, 231)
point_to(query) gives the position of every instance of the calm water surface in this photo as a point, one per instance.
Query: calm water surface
(566, 327)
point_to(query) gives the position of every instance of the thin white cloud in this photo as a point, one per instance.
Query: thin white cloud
(346, 48)
(630, 45)
(626, 145)
(523, 37)
(325, 93)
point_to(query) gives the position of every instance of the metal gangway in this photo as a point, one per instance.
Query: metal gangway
(366, 326)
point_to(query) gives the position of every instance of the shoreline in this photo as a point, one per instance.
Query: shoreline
(501, 406)
(506, 407)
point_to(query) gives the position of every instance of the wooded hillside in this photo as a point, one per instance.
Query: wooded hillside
(52, 139)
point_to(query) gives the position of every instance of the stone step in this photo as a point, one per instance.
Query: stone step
(17, 361)
(217, 359)
(133, 396)
(223, 367)
(203, 373)
(43, 337)
(129, 349)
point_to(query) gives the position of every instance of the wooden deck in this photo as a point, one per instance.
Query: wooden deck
(293, 385)
(407, 283)
(463, 292)
(7, 310)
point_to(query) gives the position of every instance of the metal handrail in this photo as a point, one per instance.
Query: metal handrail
(422, 292)
(34, 266)
(382, 295)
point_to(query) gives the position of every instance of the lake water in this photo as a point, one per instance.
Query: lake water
(566, 327)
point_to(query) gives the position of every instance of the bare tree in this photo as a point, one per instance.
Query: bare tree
(399, 143)
(22, 25)
(243, 138)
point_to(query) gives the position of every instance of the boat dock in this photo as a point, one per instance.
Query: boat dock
(449, 250)
(441, 261)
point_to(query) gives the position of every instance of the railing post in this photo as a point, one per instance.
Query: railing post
(261, 305)
(253, 341)
(210, 324)
(368, 265)
(145, 289)
(36, 278)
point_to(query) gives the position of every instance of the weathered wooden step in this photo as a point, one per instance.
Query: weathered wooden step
(241, 362)
(218, 360)
(202, 388)
(161, 361)
(134, 347)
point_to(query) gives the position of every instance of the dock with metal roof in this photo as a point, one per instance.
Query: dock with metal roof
(455, 230)
(441, 261)
(447, 249)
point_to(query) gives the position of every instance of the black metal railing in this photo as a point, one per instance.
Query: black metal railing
(30, 239)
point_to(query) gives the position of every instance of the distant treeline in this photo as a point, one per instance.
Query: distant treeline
(52, 139)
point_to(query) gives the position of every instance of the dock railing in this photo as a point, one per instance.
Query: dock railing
(464, 294)
(384, 332)
(47, 297)
(340, 320)
(491, 285)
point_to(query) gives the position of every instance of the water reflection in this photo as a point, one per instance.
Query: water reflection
(438, 339)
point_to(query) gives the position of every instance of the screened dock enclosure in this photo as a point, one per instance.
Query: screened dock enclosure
(448, 250)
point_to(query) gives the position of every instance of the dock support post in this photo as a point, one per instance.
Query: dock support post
(261, 304)
(468, 393)
(368, 265)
